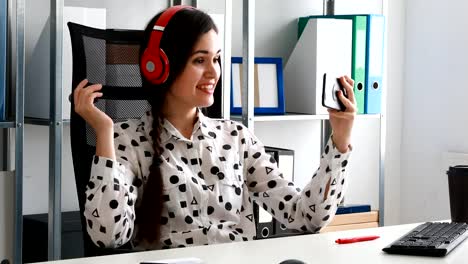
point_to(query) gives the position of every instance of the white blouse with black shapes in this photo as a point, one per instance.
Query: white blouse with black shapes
(209, 183)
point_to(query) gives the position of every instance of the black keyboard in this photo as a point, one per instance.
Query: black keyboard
(430, 239)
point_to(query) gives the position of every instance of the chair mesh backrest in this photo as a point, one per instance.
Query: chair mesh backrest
(108, 57)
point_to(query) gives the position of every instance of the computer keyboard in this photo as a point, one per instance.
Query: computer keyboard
(430, 239)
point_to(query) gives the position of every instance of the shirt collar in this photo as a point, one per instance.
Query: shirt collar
(202, 127)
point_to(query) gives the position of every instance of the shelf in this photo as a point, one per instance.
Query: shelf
(7, 124)
(41, 121)
(298, 117)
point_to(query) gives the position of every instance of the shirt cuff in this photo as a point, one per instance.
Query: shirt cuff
(332, 143)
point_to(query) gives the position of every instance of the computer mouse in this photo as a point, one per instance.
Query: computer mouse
(292, 261)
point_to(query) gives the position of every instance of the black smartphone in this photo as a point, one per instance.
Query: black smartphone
(331, 86)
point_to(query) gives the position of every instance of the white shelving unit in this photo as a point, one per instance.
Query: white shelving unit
(249, 119)
(14, 125)
(299, 117)
(56, 123)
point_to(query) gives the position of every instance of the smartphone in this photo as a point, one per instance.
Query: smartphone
(331, 86)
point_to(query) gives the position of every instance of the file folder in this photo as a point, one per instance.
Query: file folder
(285, 160)
(353, 208)
(266, 225)
(324, 46)
(358, 71)
(3, 44)
(374, 64)
(358, 64)
(264, 221)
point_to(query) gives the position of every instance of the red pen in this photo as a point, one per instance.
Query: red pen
(355, 239)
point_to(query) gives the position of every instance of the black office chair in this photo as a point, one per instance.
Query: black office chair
(109, 57)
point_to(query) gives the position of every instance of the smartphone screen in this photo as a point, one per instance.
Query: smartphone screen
(331, 86)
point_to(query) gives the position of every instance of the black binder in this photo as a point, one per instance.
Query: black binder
(267, 226)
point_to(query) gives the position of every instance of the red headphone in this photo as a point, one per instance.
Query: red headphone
(154, 63)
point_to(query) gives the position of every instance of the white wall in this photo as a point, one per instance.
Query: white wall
(122, 14)
(434, 104)
(394, 83)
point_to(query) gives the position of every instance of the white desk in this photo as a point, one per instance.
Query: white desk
(320, 248)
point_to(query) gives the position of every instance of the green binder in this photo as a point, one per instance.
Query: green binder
(358, 70)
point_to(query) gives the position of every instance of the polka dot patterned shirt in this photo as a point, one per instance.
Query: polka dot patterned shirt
(210, 182)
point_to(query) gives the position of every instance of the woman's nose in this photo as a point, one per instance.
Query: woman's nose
(213, 69)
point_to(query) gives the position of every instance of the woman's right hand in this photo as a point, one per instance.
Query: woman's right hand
(84, 106)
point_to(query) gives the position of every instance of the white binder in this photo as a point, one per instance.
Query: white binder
(325, 46)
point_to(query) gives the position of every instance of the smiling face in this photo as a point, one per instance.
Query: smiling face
(195, 86)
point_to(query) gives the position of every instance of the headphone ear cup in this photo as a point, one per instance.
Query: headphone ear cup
(154, 63)
(164, 66)
(155, 68)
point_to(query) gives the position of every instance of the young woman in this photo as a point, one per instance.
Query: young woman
(177, 178)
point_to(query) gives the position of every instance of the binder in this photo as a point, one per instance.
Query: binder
(266, 225)
(324, 47)
(353, 208)
(374, 64)
(358, 70)
(264, 222)
(285, 160)
(358, 60)
(3, 45)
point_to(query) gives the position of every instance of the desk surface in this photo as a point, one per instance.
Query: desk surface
(319, 248)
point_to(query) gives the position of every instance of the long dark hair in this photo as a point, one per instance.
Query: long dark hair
(180, 36)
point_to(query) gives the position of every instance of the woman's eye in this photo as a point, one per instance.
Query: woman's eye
(199, 60)
(216, 59)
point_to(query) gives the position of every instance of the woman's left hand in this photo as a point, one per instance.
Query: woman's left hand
(342, 121)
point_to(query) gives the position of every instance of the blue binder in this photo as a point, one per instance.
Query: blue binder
(374, 64)
(353, 208)
(3, 42)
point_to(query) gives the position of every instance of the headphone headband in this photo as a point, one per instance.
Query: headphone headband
(154, 63)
